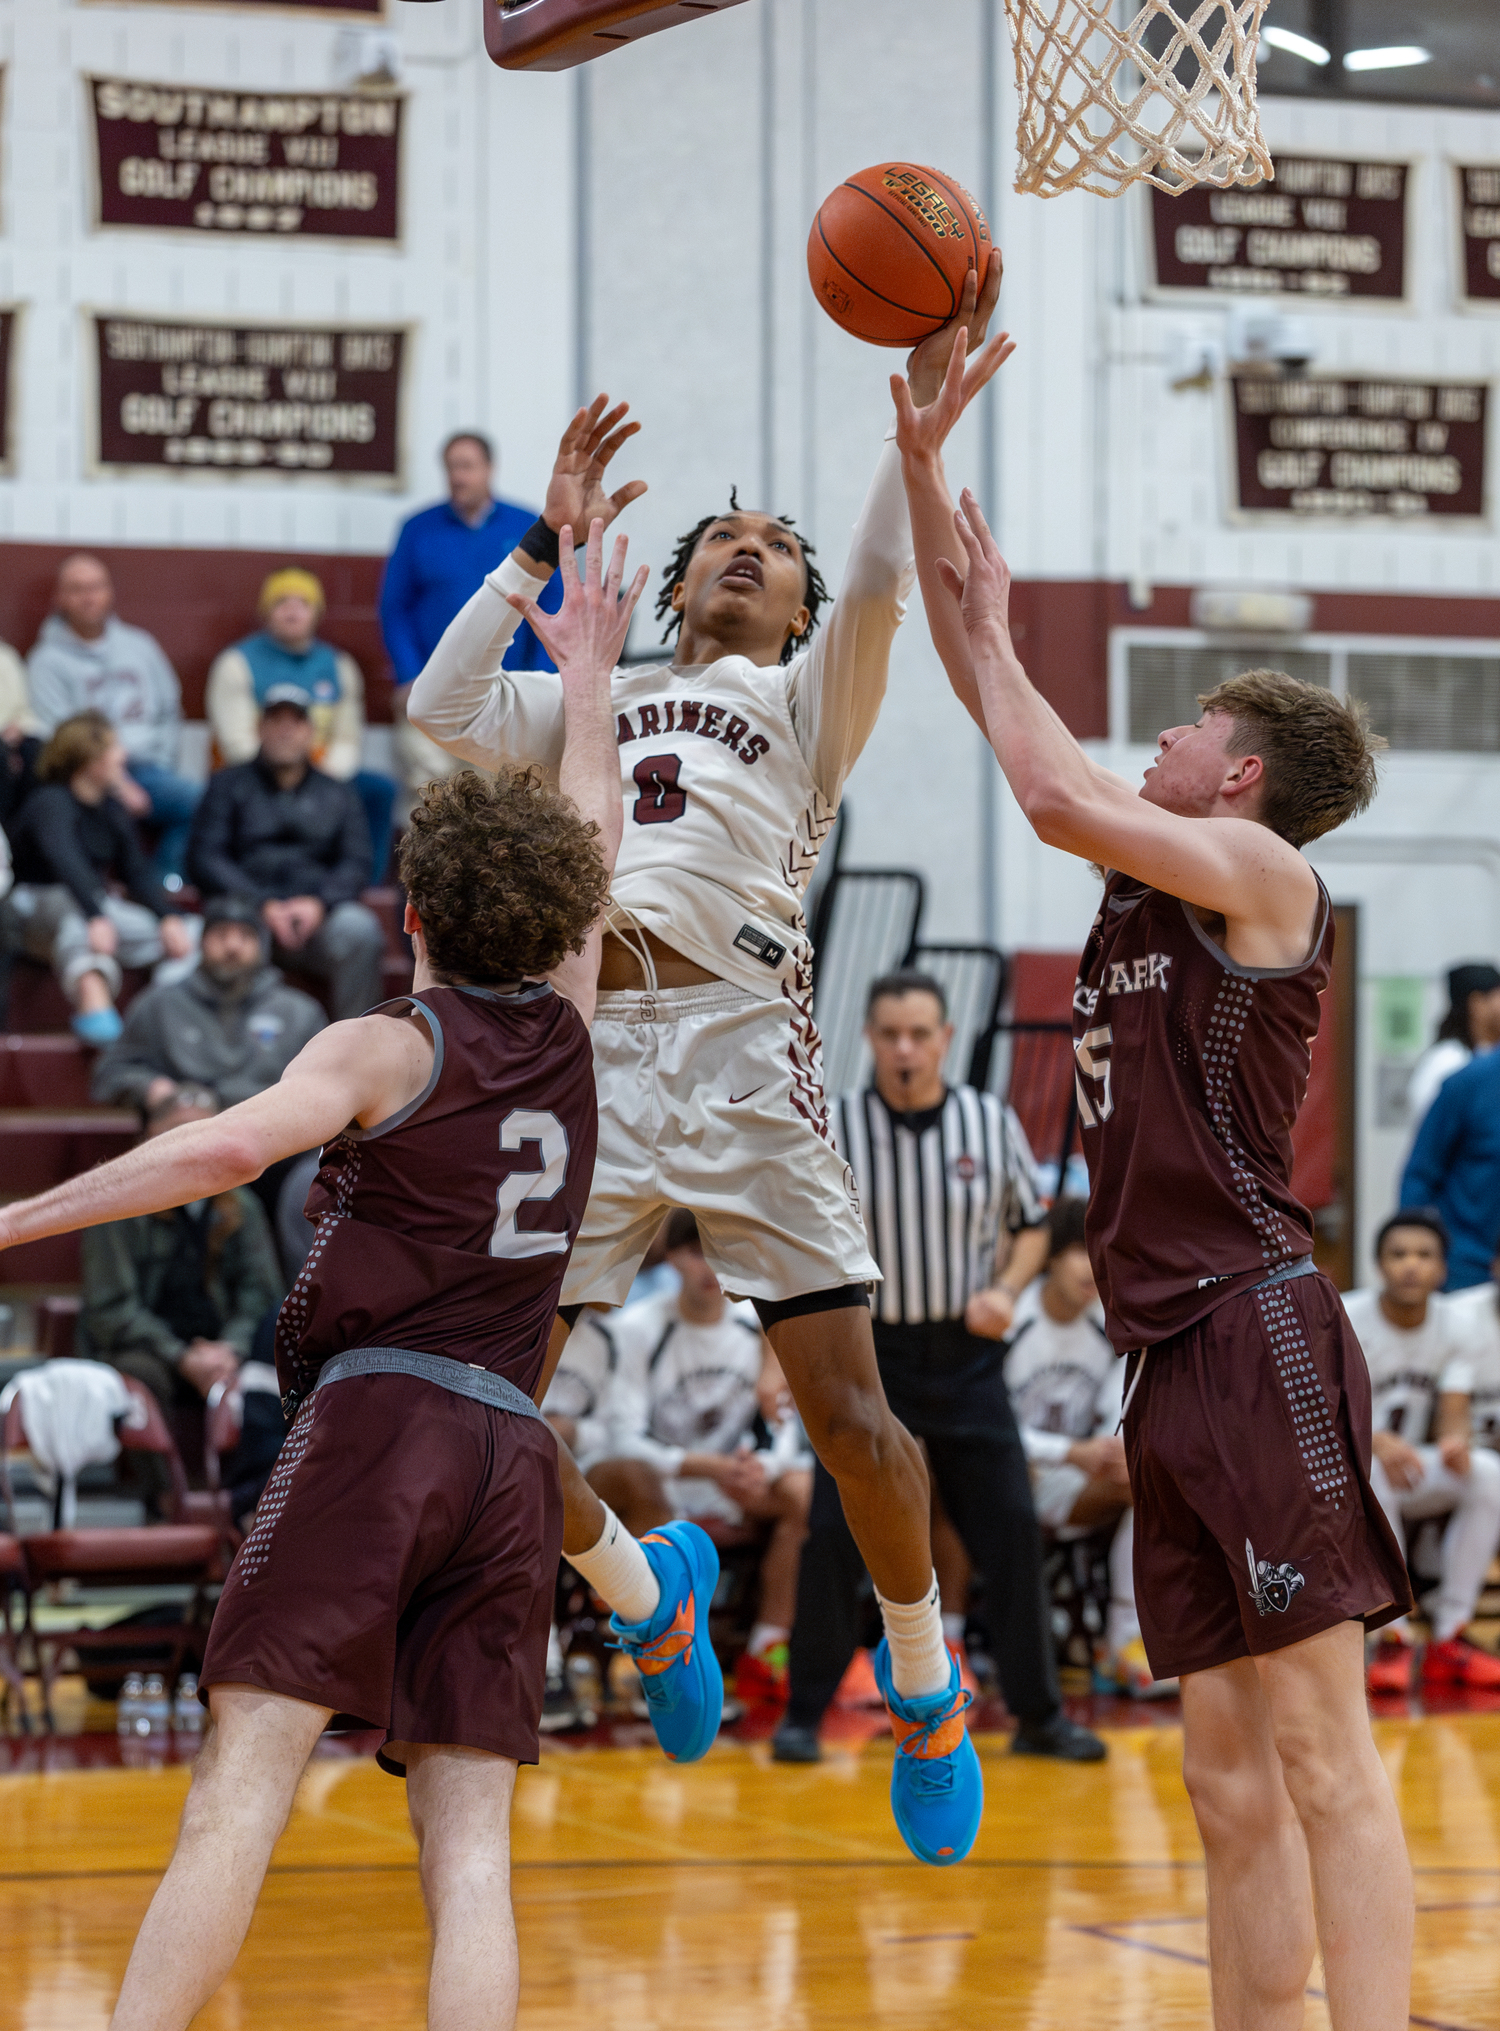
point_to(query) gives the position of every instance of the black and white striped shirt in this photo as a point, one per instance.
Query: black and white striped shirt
(938, 1188)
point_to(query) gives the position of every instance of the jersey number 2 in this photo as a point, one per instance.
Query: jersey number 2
(662, 796)
(523, 1125)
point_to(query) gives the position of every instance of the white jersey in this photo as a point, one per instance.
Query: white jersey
(1064, 1383)
(1476, 1320)
(731, 773)
(678, 1388)
(579, 1389)
(1409, 1367)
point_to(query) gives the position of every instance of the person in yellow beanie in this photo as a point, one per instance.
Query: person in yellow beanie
(286, 649)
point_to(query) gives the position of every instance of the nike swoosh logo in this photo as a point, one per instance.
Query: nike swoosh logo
(736, 1098)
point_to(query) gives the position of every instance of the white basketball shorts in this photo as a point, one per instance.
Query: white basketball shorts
(713, 1101)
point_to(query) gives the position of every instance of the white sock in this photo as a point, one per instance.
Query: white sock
(617, 1569)
(920, 1665)
(765, 1636)
(953, 1628)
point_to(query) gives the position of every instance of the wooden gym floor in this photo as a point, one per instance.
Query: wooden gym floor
(735, 1894)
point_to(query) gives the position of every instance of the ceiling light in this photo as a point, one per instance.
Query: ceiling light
(1399, 56)
(1295, 45)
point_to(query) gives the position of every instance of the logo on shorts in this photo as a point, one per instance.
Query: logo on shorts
(1271, 1586)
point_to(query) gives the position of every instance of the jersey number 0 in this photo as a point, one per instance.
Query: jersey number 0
(536, 1186)
(662, 796)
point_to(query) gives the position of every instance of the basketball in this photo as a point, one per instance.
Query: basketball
(889, 250)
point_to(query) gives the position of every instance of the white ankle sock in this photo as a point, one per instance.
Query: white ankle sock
(617, 1569)
(920, 1665)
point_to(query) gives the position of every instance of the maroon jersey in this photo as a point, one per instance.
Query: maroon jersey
(1190, 1072)
(447, 1228)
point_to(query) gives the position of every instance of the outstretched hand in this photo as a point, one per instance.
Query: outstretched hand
(575, 492)
(922, 427)
(585, 636)
(927, 363)
(983, 592)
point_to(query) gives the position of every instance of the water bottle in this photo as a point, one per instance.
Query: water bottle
(128, 1704)
(187, 1714)
(156, 1708)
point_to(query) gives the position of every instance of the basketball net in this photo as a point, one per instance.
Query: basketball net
(1099, 111)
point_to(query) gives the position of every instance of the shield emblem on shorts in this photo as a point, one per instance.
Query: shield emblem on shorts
(1272, 1584)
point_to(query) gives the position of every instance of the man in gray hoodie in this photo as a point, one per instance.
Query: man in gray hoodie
(232, 1025)
(87, 658)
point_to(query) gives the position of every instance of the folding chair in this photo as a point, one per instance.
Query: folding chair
(176, 1553)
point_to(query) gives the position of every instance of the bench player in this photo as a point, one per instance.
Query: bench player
(1261, 1554)
(733, 758)
(402, 1566)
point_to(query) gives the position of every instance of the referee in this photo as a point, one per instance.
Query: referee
(946, 1177)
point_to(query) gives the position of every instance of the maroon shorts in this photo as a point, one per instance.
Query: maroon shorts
(402, 1568)
(1248, 1442)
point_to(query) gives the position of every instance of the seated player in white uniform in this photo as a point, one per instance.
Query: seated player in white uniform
(576, 1402)
(1425, 1465)
(733, 759)
(693, 1431)
(1476, 1320)
(1065, 1381)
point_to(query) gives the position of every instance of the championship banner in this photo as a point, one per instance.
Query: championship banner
(287, 399)
(1324, 228)
(1479, 208)
(218, 161)
(7, 343)
(1315, 446)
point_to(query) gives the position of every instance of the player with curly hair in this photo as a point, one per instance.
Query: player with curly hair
(733, 758)
(401, 1568)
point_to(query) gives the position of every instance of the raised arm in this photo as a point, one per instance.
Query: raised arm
(837, 689)
(1234, 867)
(359, 1071)
(584, 638)
(463, 700)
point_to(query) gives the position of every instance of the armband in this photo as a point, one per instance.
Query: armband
(541, 543)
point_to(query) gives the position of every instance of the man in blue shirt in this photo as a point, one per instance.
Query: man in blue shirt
(442, 554)
(1455, 1166)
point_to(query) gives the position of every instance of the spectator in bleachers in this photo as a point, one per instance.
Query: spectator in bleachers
(1471, 1027)
(19, 730)
(294, 841)
(684, 1435)
(1454, 1166)
(1065, 1381)
(1424, 1463)
(286, 649)
(233, 1024)
(441, 556)
(75, 850)
(175, 1299)
(87, 659)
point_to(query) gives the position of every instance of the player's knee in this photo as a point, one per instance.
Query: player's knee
(1237, 1803)
(1321, 1768)
(854, 1434)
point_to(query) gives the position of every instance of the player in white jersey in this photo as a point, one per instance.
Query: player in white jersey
(1065, 1381)
(1424, 1465)
(1476, 1320)
(733, 759)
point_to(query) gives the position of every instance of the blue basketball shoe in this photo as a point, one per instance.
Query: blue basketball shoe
(680, 1678)
(937, 1787)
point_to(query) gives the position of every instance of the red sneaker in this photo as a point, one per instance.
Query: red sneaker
(1389, 1670)
(1460, 1662)
(762, 1680)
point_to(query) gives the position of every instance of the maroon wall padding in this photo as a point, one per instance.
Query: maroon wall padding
(196, 602)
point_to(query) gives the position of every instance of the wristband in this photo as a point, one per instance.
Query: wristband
(541, 543)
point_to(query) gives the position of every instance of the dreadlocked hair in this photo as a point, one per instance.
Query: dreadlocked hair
(815, 593)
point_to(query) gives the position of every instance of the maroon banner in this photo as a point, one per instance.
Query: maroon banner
(1323, 228)
(288, 399)
(1479, 207)
(298, 163)
(1343, 448)
(7, 341)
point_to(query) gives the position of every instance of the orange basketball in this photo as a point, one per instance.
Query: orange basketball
(889, 250)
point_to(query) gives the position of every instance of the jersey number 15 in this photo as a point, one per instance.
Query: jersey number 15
(534, 1186)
